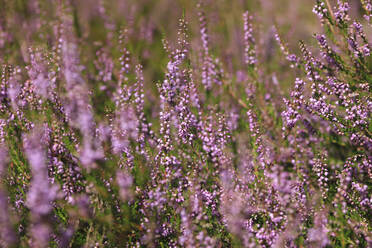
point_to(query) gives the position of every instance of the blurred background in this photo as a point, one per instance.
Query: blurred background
(23, 23)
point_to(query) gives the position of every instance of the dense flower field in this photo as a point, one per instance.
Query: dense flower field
(171, 123)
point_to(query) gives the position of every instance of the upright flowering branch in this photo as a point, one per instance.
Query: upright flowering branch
(328, 54)
(249, 41)
(7, 234)
(292, 58)
(321, 9)
(144, 128)
(43, 80)
(341, 13)
(124, 59)
(292, 113)
(206, 77)
(104, 65)
(78, 108)
(210, 72)
(41, 194)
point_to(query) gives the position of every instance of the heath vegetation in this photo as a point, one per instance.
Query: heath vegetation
(174, 123)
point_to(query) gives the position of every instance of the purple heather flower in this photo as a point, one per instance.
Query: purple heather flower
(41, 194)
(78, 109)
(283, 47)
(249, 41)
(320, 10)
(341, 12)
(104, 65)
(124, 182)
(187, 238)
(210, 72)
(318, 235)
(41, 78)
(292, 115)
(7, 235)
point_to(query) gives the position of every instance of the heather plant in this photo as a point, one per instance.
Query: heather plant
(120, 127)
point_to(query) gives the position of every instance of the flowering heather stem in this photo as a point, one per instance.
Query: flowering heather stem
(78, 109)
(41, 194)
(7, 234)
(249, 41)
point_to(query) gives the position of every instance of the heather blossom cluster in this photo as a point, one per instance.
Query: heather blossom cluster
(116, 131)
